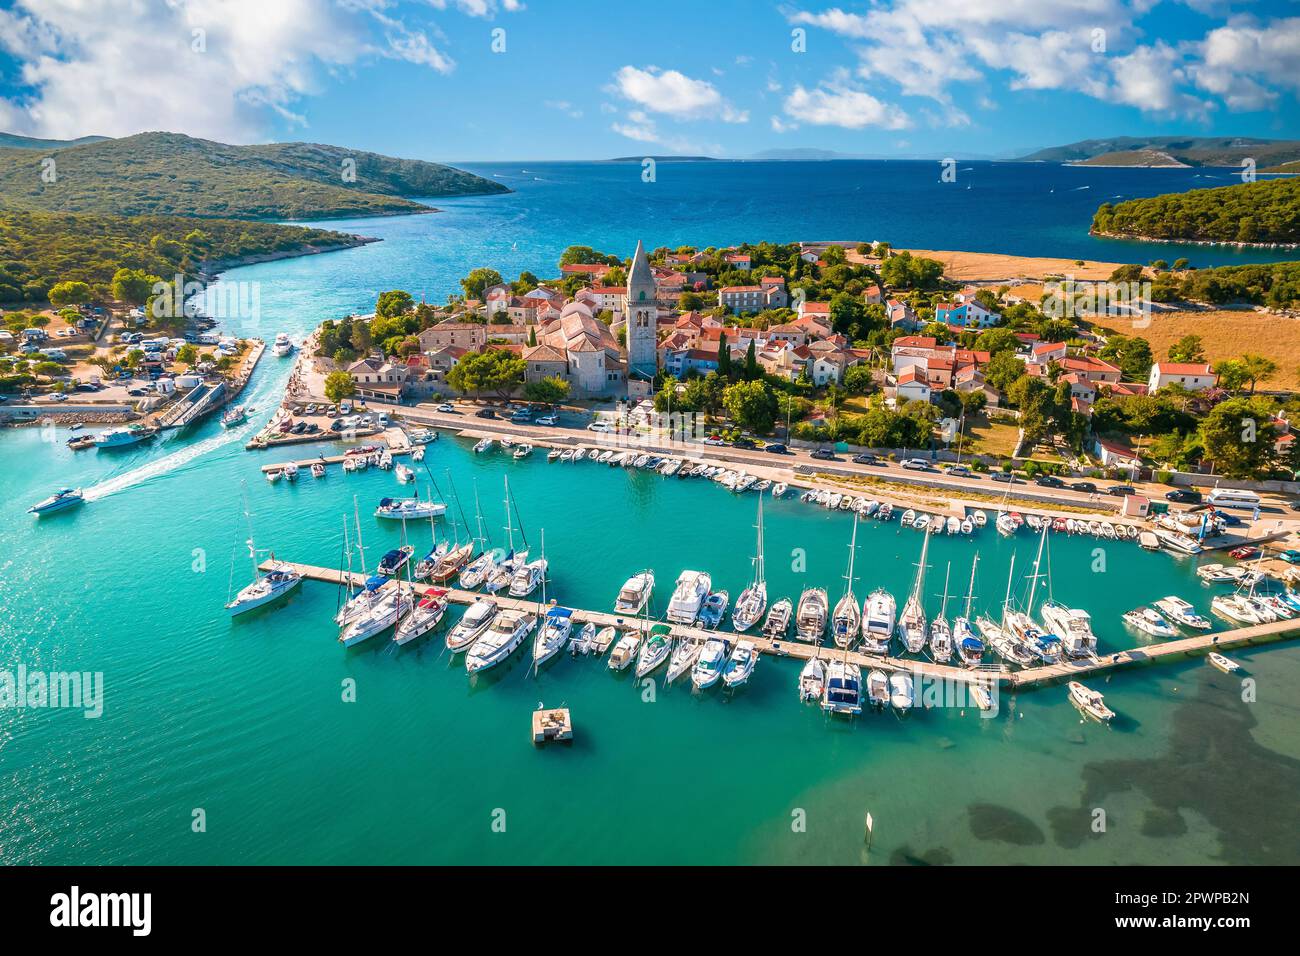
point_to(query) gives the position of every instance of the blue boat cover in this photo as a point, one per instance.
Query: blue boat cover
(375, 582)
(560, 612)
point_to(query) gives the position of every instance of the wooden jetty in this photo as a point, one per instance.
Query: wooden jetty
(1166, 651)
(394, 438)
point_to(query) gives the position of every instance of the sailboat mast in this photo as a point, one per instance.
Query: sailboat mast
(361, 548)
(759, 571)
(853, 547)
(1033, 584)
(478, 517)
(970, 590)
(1006, 601)
(510, 532)
(248, 517)
(947, 575)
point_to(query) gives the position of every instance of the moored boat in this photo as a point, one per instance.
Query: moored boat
(810, 622)
(1089, 702)
(424, 617)
(505, 634)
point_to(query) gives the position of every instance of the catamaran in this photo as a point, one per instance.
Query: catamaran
(911, 626)
(810, 621)
(424, 617)
(778, 620)
(688, 597)
(940, 632)
(969, 646)
(478, 617)
(879, 617)
(753, 600)
(264, 588)
(845, 622)
(506, 633)
(740, 665)
(555, 630)
(635, 593)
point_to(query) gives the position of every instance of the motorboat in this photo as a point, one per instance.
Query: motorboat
(1177, 541)
(812, 680)
(1089, 702)
(688, 596)
(778, 620)
(527, 577)
(879, 617)
(290, 471)
(843, 693)
(779, 489)
(708, 666)
(554, 633)
(583, 642)
(908, 517)
(713, 610)
(979, 517)
(394, 560)
(1225, 664)
(740, 665)
(1072, 625)
(124, 436)
(901, 694)
(886, 511)
(60, 500)
(424, 617)
(523, 451)
(878, 688)
(655, 649)
(753, 600)
(980, 695)
(505, 634)
(1182, 612)
(810, 621)
(1236, 608)
(281, 346)
(483, 444)
(635, 593)
(1005, 525)
(236, 415)
(846, 620)
(478, 617)
(1149, 621)
(409, 509)
(404, 474)
(625, 650)
(1214, 572)
(318, 469)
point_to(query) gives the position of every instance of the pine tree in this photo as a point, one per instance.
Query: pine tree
(751, 363)
(724, 356)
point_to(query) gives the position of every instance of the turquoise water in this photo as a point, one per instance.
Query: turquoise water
(246, 719)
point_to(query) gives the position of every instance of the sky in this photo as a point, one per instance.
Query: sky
(478, 80)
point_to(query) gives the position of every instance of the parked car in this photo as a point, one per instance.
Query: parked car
(1119, 491)
(776, 448)
(916, 464)
(712, 440)
(1086, 486)
(1005, 476)
(547, 420)
(1244, 552)
(522, 417)
(1184, 496)
(744, 442)
(485, 413)
(824, 454)
(866, 459)
(1290, 556)
(959, 471)
(1049, 481)
(599, 426)
(446, 407)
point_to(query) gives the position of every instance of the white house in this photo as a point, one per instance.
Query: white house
(1192, 376)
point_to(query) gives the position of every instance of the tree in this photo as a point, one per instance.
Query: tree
(752, 405)
(1187, 349)
(69, 293)
(1256, 367)
(997, 340)
(479, 280)
(752, 370)
(132, 285)
(1232, 374)
(187, 354)
(549, 391)
(496, 371)
(1003, 369)
(849, 315)
(857, 379)
(393, 303)
(338, 386)
(724, 355)
(1238, 436)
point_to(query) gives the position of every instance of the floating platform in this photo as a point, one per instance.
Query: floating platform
(552, 723)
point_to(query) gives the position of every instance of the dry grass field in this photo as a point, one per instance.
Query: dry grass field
(995, 267)
(1226, 334)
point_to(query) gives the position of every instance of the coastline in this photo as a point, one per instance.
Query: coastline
(1195, 242)
(209, 271)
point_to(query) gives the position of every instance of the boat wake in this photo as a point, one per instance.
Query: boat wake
(167, 463)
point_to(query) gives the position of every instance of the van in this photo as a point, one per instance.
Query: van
(1233, 498)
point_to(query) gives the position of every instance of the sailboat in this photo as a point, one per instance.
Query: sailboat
(1021, 624)
(1001, 640)
(424, 567)
(476, 571)
(556, 627)
(753, 600)
(940, 632)
(424, 617)
(527, 577)
(655, 649)
(499, 577)
(264, 588)
(1071, 625)
(812, 680)
(970, 649)
(911, 626)
(846, 620)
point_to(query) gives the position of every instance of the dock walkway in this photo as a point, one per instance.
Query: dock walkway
(1030, 677)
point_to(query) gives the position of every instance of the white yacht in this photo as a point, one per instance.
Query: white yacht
(654, 650)
(1225, 664)
(1072, 625)
(846, 620)
(424, 617)
(409, 509)
(381, 614)
(478, 617)
(635, 593)
(527, 577)
(625, 650)
(688, 597)
(1180, 611)
(556, 627)
(843, 693)
(708, 666)
(1177, 541)
(683, 657)
(123, 436)
(810, 620)
(878, 688)
(740, 665)
(879, 615)
(1150, 622)
(901, 694)
(506, 633)
(753, 600)
(778, 620)
(281, 346)
(1236, 608)
(61, 499)
(1089, 702)
(911, 625)
(264, 588)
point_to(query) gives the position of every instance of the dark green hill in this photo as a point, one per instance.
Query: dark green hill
(14, 141)
(1263, 211)
(172, 174)
(1191, 150)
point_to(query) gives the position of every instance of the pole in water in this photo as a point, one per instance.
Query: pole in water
(870, 830)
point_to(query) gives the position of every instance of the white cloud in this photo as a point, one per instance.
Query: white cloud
(835, 103)
(210, 68)
(565, 107)
(675, 94)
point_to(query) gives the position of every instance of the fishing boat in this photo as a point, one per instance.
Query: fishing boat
(505, 634)
(740, 665)
(843, 693)
(688, 597)
(655, 649)
(878, 688)
(1089, 702)
(846, 619)
(810, 621)
(478, 617)
(635, 593)
(266, 587)
(940, 632)
(901, 693)
(409, 509)
(1180, 611)
(379, 615)
(879, 617)
(79, 442)
(713, 610)
(683, 657)
(812, 680)
(1149, 621)
(404, 474)
(424, 617)
(708, 666)
(778, 620)
(236, 415)
(60, 500)
(554, 633)
(969, 647)
(124, 436)
(911, 625)
(318, 469)
(753, 600)
(1225, 664)
(483, 444)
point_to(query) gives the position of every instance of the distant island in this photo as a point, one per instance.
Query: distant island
(14, 141)
(1171, 150)
(1265, 212)
(663, 159)
(177, 175)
